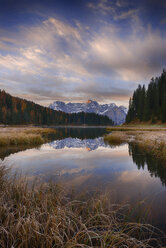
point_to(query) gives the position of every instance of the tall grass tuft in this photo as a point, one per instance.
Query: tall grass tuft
(45, 217)
(20, 139)
(24, 136)
(116, 138)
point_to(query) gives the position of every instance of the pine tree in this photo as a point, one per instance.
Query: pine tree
(150, 104)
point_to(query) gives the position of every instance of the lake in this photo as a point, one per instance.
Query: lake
(80, 159)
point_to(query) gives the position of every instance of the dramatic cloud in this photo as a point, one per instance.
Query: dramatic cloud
(54, 59)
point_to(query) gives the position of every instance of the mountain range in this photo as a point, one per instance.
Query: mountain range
(18, 111)
(115, 113)
(89, 144)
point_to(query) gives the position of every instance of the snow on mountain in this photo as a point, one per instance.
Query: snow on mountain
(117, 114)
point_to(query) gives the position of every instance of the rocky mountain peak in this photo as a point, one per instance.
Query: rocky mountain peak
(115, 113)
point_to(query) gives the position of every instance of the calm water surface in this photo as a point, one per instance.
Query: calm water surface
(79, 159)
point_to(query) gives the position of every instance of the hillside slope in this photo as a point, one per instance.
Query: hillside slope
(17, 111)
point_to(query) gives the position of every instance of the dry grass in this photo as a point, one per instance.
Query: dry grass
(152, 142)
(116, 138)
(24, 136)
(42, 131)
(45, 217)
(20, 139)
(138, 127)
(121, 128)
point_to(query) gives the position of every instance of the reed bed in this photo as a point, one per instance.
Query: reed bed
(20, 139)
(46, 217)
(24, 136)
(42, 131)
(154, 146)
(116, 138)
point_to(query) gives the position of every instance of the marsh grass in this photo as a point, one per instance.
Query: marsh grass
(135, 129)
(154, 147)
(116, 138)
(24, 136)
(153, 143)
(138, 127)
(46, 217)
(42, 131)
(20, 139)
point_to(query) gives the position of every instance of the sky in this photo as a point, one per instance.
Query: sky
(75, 50)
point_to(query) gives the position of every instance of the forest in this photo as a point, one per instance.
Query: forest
(17, 111)
(149, 105)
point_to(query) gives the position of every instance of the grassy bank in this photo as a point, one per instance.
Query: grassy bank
(153, 142)
(24, 136)
(46, 217)
(116, 138)
(138, 127)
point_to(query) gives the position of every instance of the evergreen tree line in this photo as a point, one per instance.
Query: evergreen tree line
(149, 104)
(17, 111)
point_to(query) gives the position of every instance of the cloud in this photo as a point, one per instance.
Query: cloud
(117, 10)
(135, 57)
(121, 3)
(102, 6)
(56, 60)
(126, 14)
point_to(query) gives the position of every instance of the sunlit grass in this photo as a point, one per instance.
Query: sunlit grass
(45, 217)
(24, 136)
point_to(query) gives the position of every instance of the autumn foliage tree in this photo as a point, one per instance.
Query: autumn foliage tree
(17, 111)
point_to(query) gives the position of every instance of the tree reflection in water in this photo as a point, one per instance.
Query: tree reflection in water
(142, 158)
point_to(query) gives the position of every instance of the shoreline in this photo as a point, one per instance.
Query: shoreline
(32, 135)
(150, 141)
(52, 126)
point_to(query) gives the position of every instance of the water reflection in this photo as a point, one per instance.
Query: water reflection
(79, 159)
(89, 144)
(7, 151)
(143, 159)
(75, 143)
(80, 133)
(83, 137)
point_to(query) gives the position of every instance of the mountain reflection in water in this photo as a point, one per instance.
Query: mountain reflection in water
(61, 134)
(90, 139)
(89, 144)
(78, 158)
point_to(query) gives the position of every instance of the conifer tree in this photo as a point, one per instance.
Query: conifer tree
(150, 104)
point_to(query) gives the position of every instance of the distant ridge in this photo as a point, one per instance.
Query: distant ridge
(17, 111)
(115, 113)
